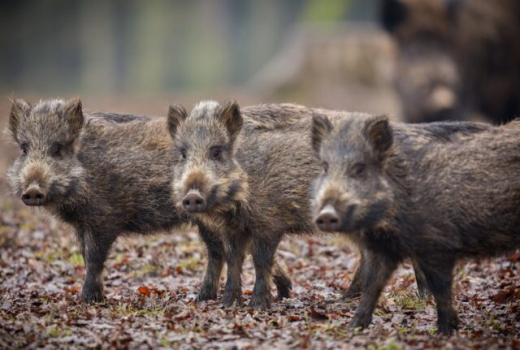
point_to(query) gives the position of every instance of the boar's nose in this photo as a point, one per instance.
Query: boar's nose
(33, 197)
(193, 202)
(328, 219)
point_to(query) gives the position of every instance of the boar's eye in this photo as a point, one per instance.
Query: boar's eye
(359, 169)
(182, 152)
(325, 166)
(24, 148)
(57, 150)
(216, 153)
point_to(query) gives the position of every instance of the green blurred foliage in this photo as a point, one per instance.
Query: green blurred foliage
(326, 10)
(148, 46)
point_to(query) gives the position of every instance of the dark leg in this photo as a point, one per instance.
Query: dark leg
(263, 258)
(379, 269)
(356, 286)
(235, 253)
(282, 281)
(95, 250)
(439, 279)
(422, 286)
(215, 249)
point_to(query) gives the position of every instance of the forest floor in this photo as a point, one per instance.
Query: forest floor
(151, 283)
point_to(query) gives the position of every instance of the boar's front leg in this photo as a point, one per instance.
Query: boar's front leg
(215, 249)
(235, 246)
(379, 269)
(263, 252)
(356, 286)
(95, 248)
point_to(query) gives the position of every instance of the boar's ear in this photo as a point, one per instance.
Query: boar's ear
(379, 133)
(73, 113)
(392, 14)
(230, 115)
(19, 110)
(321, 127)
(176, 114)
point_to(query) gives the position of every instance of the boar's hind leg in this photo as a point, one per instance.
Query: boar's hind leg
(263, 258)
(422, 285)
(215, 249)
(379, 269)
(438, 273)
(95, 248)
(235, 253)
(282, 281)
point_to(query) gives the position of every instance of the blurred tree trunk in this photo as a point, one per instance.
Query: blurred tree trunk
(264, 27)
(148, 40)
(98, 46)
(208, 43)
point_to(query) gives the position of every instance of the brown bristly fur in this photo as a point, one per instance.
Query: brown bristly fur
(104, 174)
(256, 189)
(255, 174)
(433, 202)
(111, 177)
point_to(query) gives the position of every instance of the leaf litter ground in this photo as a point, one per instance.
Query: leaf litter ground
(151, 283)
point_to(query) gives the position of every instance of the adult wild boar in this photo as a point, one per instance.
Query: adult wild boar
(432, 202)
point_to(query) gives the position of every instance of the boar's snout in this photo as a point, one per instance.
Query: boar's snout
(33, 197)
(328, 219)
(193, 202)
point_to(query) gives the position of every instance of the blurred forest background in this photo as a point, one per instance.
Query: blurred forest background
(135, 46)
(145, 48)
(136, 56)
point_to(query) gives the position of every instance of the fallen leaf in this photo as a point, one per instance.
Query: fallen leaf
(145, 291)
(318, 315)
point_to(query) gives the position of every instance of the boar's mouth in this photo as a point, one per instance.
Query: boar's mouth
(354, 220)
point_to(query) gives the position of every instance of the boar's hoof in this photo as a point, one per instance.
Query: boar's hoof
(206, 294)
(92, 295)
(230, 296)
(283, 293)
(360, 321)
(261, 302)
(448, 326)
(349, 294)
